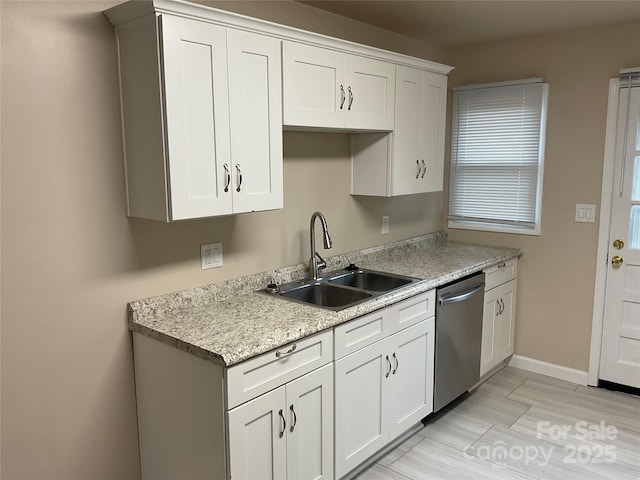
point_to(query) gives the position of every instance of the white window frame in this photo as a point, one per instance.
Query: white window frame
(496, 226)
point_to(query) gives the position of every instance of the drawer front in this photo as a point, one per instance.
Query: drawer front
(254, 377)
(359, 333)
(413, 310)
(501, 273)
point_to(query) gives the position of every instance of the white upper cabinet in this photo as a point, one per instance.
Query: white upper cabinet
(205, 95)
(194, 69)
(411, 160)
(255, 106)
(324, 88)
(202, 119)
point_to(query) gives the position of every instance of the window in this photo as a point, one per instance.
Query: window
(497, 157)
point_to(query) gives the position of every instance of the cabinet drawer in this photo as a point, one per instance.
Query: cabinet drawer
(501, 273)
(360, 332)
(254, 377)
(413, 310)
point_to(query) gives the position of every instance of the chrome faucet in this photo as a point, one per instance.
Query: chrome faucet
(316, 262)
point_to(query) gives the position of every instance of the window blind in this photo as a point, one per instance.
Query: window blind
(497, 153)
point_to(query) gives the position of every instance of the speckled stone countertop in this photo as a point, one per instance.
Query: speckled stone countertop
(232, 321)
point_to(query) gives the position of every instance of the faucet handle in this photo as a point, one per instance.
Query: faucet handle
(322, 263)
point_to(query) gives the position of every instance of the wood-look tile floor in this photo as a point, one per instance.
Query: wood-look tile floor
(522, 425)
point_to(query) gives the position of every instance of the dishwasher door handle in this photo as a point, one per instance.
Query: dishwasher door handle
(462, 297)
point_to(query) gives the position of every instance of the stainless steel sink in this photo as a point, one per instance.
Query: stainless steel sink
(326, 295)
(371, 281)
(341, 289)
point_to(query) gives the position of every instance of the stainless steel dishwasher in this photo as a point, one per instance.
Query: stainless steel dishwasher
(458, 338)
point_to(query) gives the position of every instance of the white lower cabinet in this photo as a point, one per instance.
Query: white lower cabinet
(295, 413)
(498, 322)
(381, 391)
(286, 433)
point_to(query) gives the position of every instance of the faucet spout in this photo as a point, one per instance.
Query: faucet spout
(316, 262)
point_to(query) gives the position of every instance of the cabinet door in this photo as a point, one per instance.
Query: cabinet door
(197, 117)
(370, 86)
(312, 78)
(310, 426)
(255, 98)
(504, 323)
(433, 116)
(489, 355)
(411, 386)
(406, 135)
(257, 440)
(361, 413)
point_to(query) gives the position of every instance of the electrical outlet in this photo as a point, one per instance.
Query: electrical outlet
(385, 225)
(211, 255)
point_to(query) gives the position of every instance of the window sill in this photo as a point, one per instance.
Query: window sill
(488, 227)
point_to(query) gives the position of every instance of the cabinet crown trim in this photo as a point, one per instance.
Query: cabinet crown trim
(131, 10)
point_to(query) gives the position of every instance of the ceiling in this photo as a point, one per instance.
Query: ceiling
(454, 23)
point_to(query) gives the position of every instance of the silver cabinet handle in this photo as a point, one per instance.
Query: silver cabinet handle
(284, 424)
(419, 169)
(350, 98)
(342, 97)
(388, 365)
(239, 172)
(288, 352)
(395, 369)
(425, 169)
(227, 177)
(295, 418)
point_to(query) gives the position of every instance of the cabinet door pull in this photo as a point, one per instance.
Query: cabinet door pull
(342, 97)
(295, 418)
(502, 265)
(227, 177)
(350, 98)
(288, 352)
(500, 306)
(239, 177)
(424, 166)
(419, 169)
(389, 367)
(395, 369)
(284, 424)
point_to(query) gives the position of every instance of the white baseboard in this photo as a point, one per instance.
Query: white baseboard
(549, 369)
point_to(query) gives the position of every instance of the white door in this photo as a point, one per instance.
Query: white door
(488, 357)
(620, 359)
(406, 136)
(197, 116)
(370, 86)
(257, 438)
(314, 90)
(503, 334)
(361, 412)
(310, 426)
(255, 98)
(433, 113)
(411, 386)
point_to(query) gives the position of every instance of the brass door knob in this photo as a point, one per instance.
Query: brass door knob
(618, 244)
(617, 261)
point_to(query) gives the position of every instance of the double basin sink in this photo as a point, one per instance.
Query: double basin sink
(341, 289)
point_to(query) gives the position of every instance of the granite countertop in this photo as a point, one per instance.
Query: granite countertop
(232, 321)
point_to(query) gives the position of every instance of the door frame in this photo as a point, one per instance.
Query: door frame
(602, 263)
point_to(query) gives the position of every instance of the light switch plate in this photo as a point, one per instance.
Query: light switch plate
(585, 213)
(211, 255)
